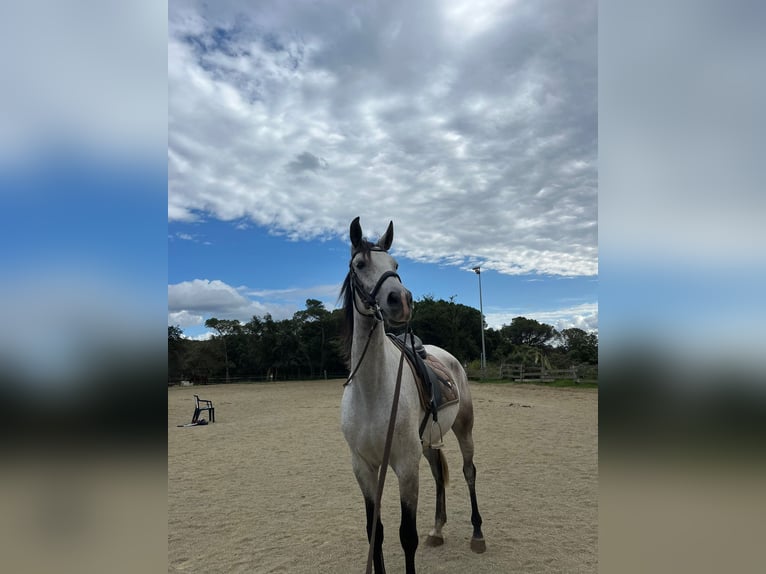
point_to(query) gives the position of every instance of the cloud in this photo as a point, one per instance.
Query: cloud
(205, 295)
(307, 162)
(190, 303)
(583, 316)
(479, 141)
(185, 319)
(206, 336)
(195, 300)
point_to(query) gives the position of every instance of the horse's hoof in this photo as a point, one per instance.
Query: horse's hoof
(434, 540)
(478, 545)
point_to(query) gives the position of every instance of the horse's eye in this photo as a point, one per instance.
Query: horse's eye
(360, 264)
(396, 265)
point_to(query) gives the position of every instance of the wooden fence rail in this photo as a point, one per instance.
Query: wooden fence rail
(526, 373)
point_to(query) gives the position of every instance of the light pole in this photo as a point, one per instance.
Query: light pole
(477, 270)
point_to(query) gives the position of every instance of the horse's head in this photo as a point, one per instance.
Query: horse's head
(372, 272)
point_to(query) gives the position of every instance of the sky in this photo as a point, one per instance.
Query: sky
(472, 126)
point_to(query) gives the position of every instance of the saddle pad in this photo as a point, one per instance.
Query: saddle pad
(447, 394)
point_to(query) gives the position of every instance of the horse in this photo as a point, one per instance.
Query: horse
(372, 294)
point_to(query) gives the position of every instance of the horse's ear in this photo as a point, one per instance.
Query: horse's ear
(356, 233)
(388, 237)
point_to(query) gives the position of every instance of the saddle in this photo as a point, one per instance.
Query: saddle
(432, 380)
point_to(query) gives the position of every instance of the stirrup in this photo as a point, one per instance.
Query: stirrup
(439, 443)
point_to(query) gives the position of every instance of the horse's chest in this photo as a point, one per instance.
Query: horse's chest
(362, 424)
(365, 426)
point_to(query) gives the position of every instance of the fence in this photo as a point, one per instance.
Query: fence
(533, 373)
(218, 380)
(524, 373)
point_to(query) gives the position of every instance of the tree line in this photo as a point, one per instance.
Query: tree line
(308, 345)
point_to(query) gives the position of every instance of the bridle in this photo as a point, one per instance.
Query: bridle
(370, 299)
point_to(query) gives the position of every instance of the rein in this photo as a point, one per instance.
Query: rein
(364, 352)
(384, 464)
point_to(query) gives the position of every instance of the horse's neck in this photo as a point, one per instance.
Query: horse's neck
(373, 370)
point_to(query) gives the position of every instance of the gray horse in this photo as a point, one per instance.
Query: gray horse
(372, 293)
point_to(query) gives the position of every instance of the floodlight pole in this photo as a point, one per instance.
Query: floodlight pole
(477, 270)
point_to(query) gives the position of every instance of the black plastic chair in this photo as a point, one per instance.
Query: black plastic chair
(200, 406)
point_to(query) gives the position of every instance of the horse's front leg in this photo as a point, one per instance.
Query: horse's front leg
(377, 552)
(367, 477)
(408, 530)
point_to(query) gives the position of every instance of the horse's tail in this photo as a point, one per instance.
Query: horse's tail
(445, 467)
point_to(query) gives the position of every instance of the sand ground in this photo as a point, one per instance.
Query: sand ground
(268, 487)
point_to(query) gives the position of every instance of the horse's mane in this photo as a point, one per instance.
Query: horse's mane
(347, 295)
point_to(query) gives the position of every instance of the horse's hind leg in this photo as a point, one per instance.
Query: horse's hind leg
(438, 469)
(463, 428)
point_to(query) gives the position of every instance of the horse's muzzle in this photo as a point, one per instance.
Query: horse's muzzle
(399, 306)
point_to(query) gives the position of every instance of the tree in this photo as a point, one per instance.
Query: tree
(268, 344)
(224, 328)
(312, 324)
(494, 344)
(308, 344)
(336, 350)
(529, 332)
(200, 361)
(175, 334)
(581, 347)
(452, 326)
(527, 355)
(175, 352)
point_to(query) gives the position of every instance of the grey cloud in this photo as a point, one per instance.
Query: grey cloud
(411, 112)
(307, 162)
(201, 295)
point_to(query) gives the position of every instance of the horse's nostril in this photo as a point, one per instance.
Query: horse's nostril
(394, 299)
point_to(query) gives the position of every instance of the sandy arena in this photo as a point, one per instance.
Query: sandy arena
(268, 487)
